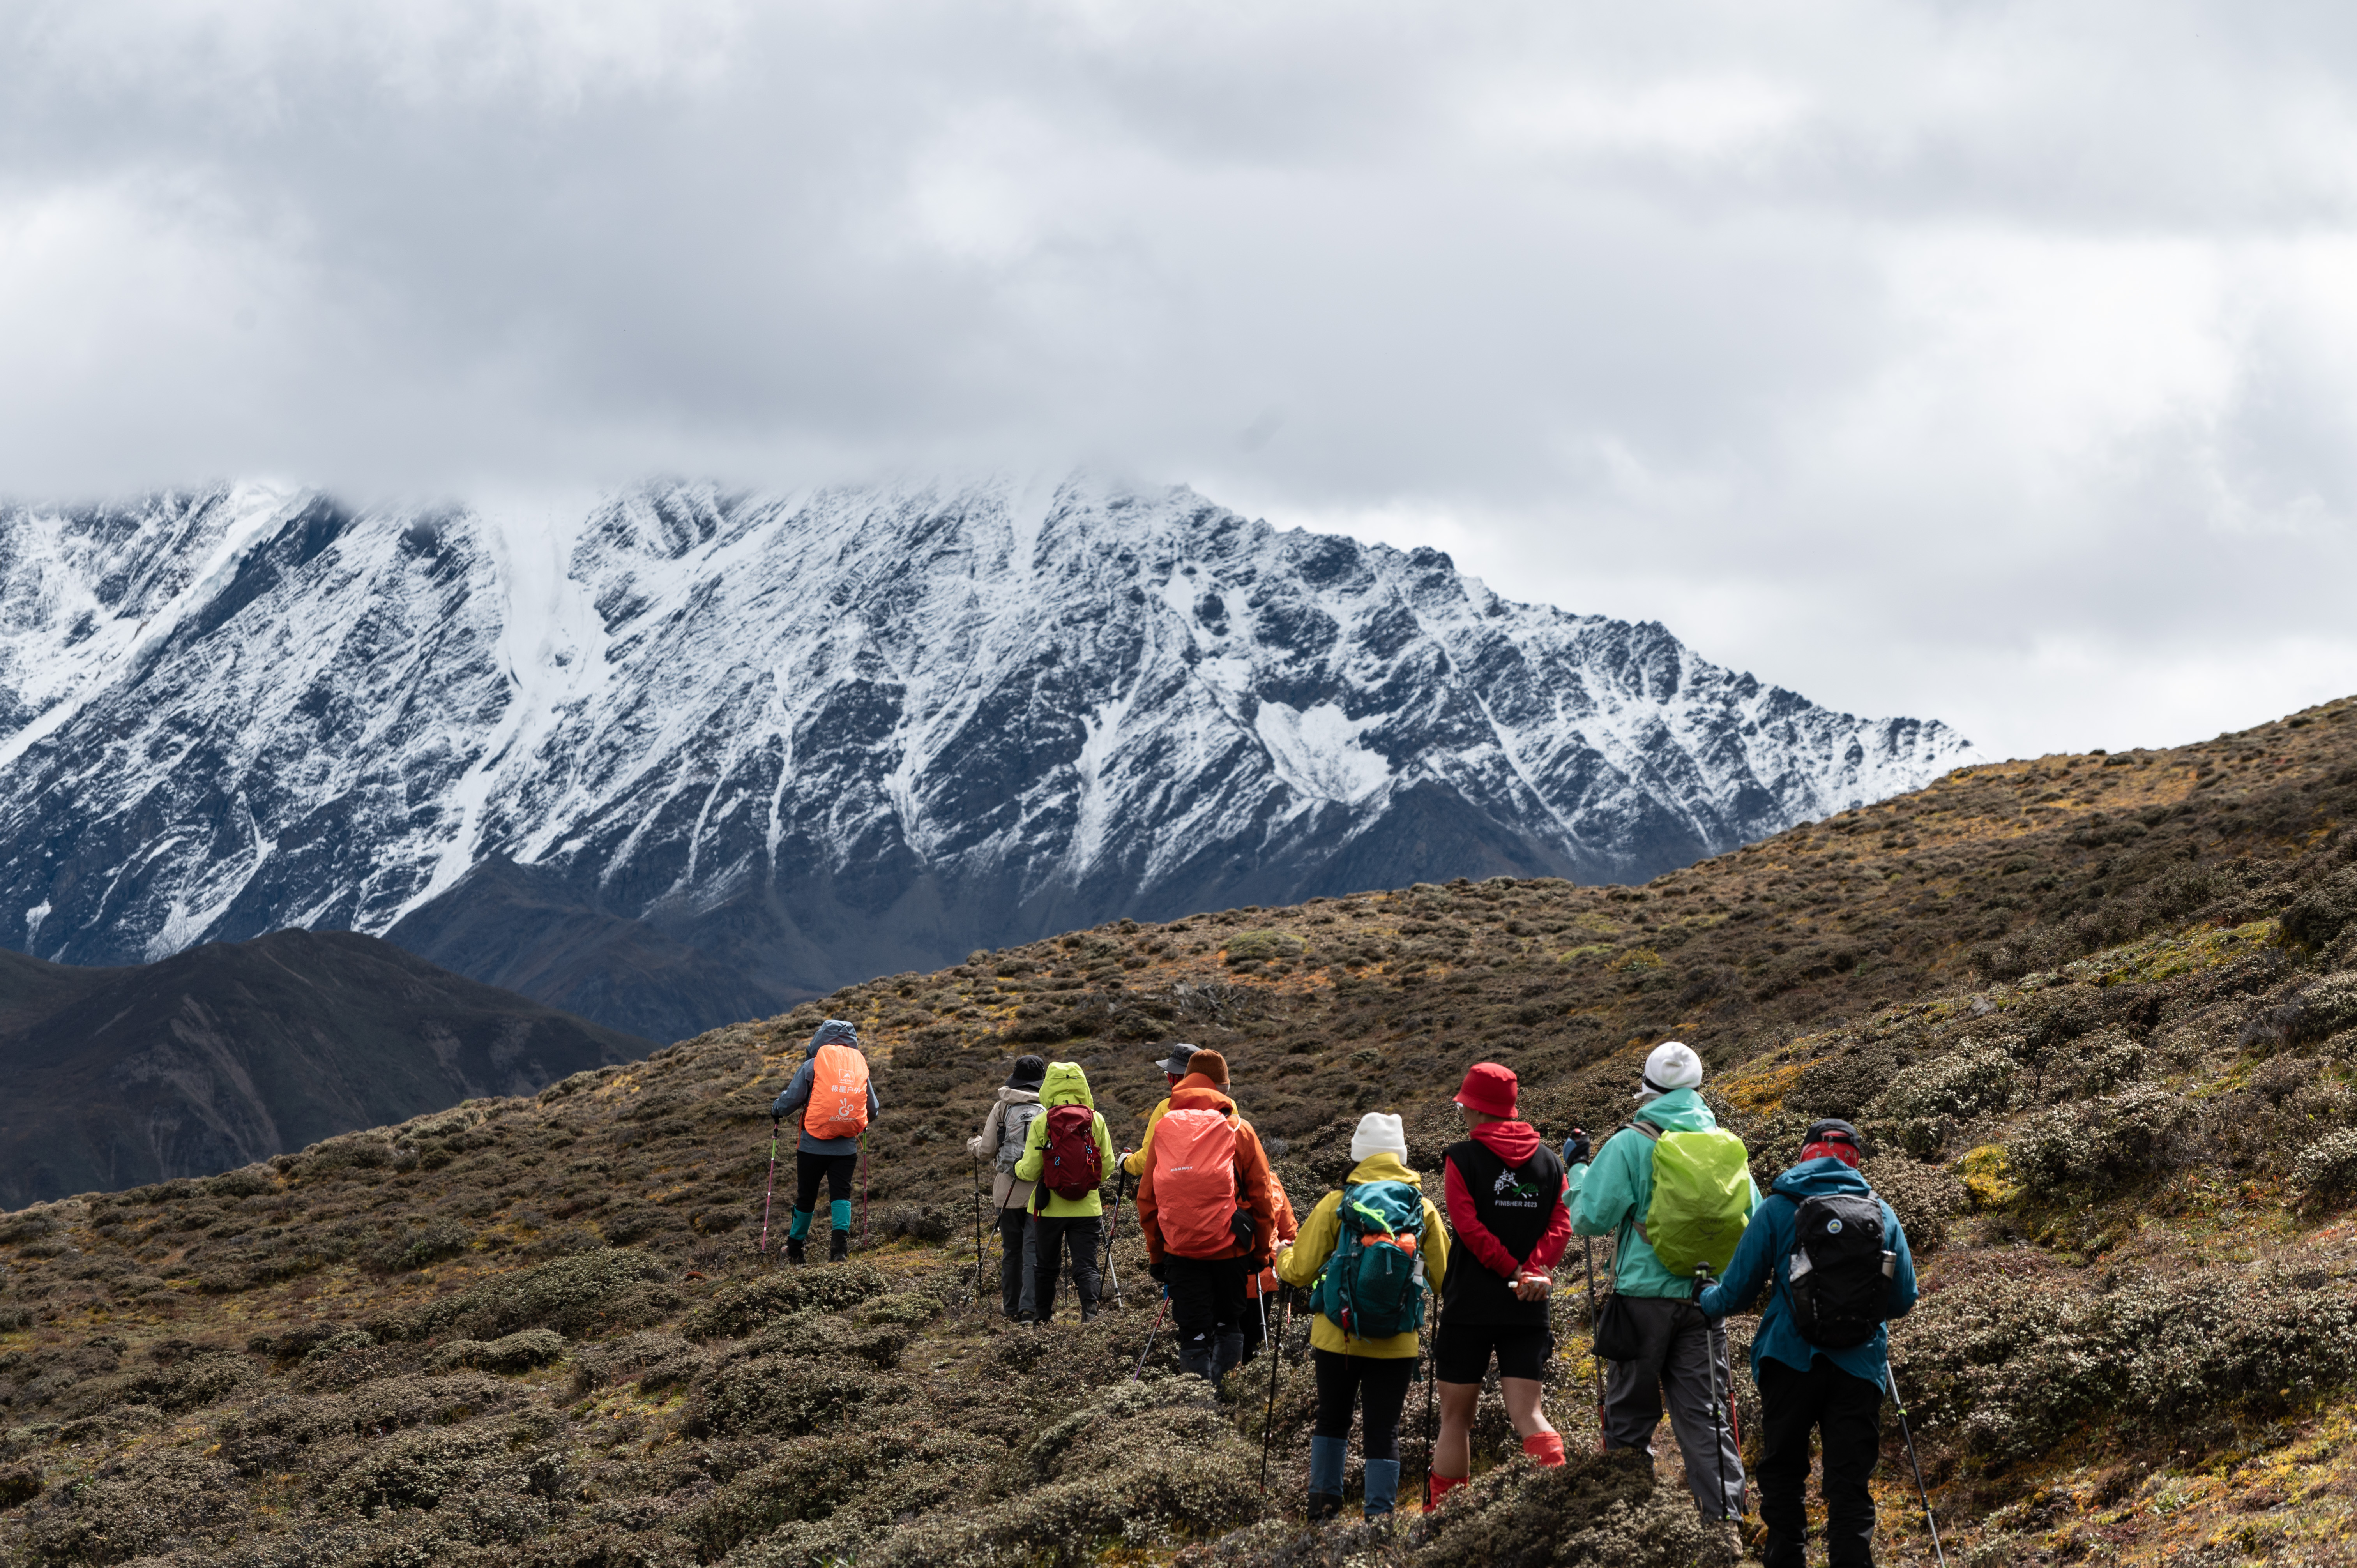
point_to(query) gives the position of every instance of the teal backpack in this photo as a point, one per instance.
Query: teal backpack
(1372, 1287)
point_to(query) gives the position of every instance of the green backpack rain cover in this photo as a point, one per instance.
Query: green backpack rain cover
(1702, 1196)
(1372, 1287)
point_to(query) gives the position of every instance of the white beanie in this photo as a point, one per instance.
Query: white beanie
(1671, 1065)
(1378, 1134)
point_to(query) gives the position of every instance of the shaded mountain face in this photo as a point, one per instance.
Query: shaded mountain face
(697, 756)
(229, 1053)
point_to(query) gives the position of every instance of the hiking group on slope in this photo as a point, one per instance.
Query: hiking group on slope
(1695, 1240)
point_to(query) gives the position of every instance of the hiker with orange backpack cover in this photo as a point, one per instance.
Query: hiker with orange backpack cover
(1206, 1204)
(836, 1095)
(1508, 1225)
(1066, 1152)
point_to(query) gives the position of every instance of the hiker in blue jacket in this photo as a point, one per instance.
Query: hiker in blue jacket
(1836, 1390)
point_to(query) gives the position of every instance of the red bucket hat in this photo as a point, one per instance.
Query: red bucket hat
(1488, 1089)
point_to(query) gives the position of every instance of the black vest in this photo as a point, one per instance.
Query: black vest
(1513, 1204)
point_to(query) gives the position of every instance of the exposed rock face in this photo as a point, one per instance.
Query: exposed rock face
(698, 755)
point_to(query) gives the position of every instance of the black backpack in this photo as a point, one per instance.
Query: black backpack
(1835, 1274)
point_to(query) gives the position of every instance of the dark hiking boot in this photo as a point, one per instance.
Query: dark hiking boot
(794, 1254)
(838, 1248)
(1323, 1506)
(1088, 1312)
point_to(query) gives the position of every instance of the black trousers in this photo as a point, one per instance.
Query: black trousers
(1051, 1236)
(1207, 1311)
(836, 1170)
(1377, 1384)
(1846, 1414)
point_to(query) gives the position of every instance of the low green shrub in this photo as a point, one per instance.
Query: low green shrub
(2018, 1364)
(781, 1395)
(2321, 912)
(2325, 1175)
(519, 1352)
(603, 1291)
(415, 1248)
(738, 1309)
(2104, 1144)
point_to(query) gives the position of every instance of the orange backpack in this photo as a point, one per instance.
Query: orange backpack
(838, 1101)
(1195, 1182)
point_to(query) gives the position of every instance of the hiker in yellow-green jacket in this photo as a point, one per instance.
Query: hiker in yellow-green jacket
(1068, 1152)
(1374, 1367)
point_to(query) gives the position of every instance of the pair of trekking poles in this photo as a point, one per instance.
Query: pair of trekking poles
(1111, 1268)
(1722, 1409)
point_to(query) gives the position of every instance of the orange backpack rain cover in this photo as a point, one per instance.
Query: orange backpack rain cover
(1195, 1182)
(838, 1101)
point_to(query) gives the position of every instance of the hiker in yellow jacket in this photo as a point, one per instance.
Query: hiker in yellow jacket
(1174, 1068)
(1373, 1372)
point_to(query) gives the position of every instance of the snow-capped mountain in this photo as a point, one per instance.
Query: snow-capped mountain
(695, 755)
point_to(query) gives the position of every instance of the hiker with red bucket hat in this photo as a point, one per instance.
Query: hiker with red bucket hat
(1505, 1193)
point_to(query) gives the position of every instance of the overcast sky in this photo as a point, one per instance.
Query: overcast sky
(1983, 361)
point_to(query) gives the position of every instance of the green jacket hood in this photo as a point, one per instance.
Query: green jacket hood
(1065, 1084)
(1386, 1166)
(1679, 1111)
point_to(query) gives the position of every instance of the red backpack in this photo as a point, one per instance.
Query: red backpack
(1073, 1166)
(1194, 1155)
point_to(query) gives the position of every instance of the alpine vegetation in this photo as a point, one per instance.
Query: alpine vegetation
(2043, 1078)
(696, 756)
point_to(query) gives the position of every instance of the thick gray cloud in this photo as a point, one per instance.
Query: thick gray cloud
(1982, 360)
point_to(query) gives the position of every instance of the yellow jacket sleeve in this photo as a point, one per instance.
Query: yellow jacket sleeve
(1298, 1265)
(1136, 1164)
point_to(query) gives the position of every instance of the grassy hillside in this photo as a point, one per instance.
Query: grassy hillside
(2096, 1012)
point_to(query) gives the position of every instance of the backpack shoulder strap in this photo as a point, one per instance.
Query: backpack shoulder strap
(1652, 1134)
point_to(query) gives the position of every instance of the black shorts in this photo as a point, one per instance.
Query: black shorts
(1461, 1351)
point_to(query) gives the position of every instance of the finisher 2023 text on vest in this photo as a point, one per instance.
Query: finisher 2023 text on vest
(1513, 1204)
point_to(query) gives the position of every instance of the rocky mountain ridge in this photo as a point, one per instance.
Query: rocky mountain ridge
(697, 755)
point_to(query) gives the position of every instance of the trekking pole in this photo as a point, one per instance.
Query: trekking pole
(1268, 1422)
(1717, 1409)
(1139, 1371)
(863, 1192)
(977, 1233)
(1113, 1269)
(1907, 1437)
(1587, 1251)
(764, 1248)
(1426, 1359)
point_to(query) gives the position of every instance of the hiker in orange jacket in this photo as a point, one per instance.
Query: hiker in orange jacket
(1207, 1204)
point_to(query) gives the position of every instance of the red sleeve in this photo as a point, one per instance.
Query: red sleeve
(1549, 1252)
(1470, 1232)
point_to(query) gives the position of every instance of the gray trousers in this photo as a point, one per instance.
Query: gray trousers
(1675, 1366)
(1018, 1247)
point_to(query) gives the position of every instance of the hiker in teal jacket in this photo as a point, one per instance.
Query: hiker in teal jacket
(1837, 1391)
(1609, 1197)
(1057, 1221)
